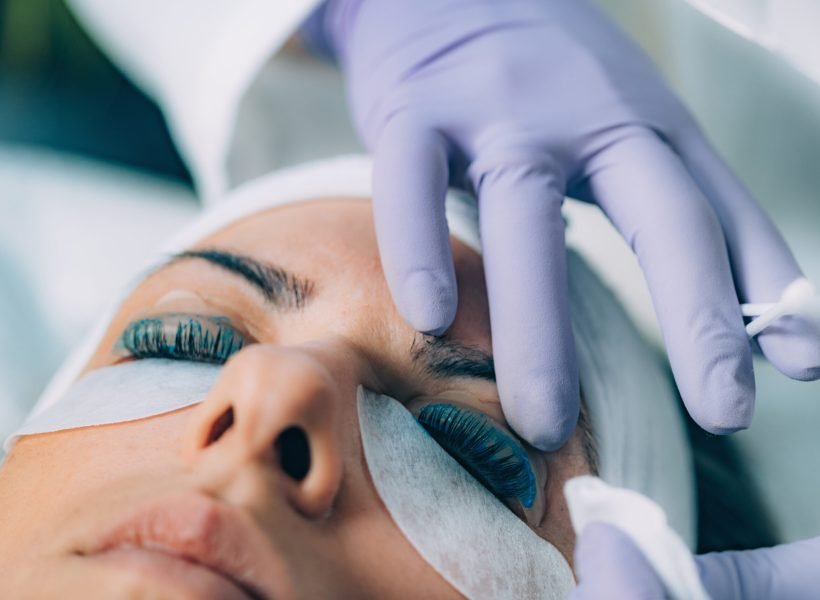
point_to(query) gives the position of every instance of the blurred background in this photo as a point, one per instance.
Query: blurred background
(58, 91)
(84, 156)
(90, 180)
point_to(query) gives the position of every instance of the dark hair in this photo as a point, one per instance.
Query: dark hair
(731, 512)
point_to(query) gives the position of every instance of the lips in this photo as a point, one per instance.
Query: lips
(196, 543)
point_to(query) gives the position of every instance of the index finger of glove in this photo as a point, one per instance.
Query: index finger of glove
(409, 188)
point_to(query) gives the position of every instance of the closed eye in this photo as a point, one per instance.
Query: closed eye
(492, 456)
(177, 336)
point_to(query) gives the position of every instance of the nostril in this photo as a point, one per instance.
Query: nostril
(220, 426)
(294, 452)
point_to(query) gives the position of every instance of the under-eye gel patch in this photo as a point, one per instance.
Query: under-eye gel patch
(124, 392)
(467, 535)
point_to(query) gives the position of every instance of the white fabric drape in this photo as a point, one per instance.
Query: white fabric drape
(788, 27)
(196, 59)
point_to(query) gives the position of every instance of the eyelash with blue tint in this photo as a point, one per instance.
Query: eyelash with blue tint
(181, 337)
(489, 454)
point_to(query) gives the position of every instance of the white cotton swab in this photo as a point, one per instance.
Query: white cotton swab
(799, 298)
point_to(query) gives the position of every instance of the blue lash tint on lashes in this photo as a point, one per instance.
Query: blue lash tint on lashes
(489, 454)
(182, 337)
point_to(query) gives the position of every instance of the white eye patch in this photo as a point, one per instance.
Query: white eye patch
(125, 392)
(458, 527)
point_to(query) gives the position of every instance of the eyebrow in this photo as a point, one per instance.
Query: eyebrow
(445, 358)
(439, 357)
(279, 287)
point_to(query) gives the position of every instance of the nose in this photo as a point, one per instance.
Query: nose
(272, 416)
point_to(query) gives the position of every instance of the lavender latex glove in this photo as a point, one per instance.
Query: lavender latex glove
(526, 101)
(610, 565)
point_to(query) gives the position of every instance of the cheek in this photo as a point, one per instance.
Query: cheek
(568, 462)
(79, 458)
(401, 572)
(65, 577)
(155, 440)
(58, 483)
(372, 556)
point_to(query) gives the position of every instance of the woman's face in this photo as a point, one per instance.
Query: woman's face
(262, 490)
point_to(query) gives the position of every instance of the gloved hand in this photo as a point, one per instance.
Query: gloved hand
(522, 102)
(610, 565)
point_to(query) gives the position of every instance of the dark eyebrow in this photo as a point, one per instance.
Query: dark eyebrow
(279, 287)
(443, 357)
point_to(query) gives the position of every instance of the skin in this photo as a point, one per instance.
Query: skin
(327, 535)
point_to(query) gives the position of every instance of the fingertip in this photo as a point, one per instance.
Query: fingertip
(542, 413)
(552, 437)
(727, 405)
(719, 427)
(428, 301)
(410, 175)
(806, 373)
(792, 345)
(794, 369)
(712, 361)
(728, 416)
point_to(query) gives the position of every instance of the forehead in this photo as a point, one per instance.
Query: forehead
(330, 242)
(315, 237)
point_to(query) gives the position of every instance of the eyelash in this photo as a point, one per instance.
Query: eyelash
(489, 454)
(204, 339)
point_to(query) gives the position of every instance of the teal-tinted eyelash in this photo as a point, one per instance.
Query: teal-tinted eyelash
(488, 453)
(182, 337)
